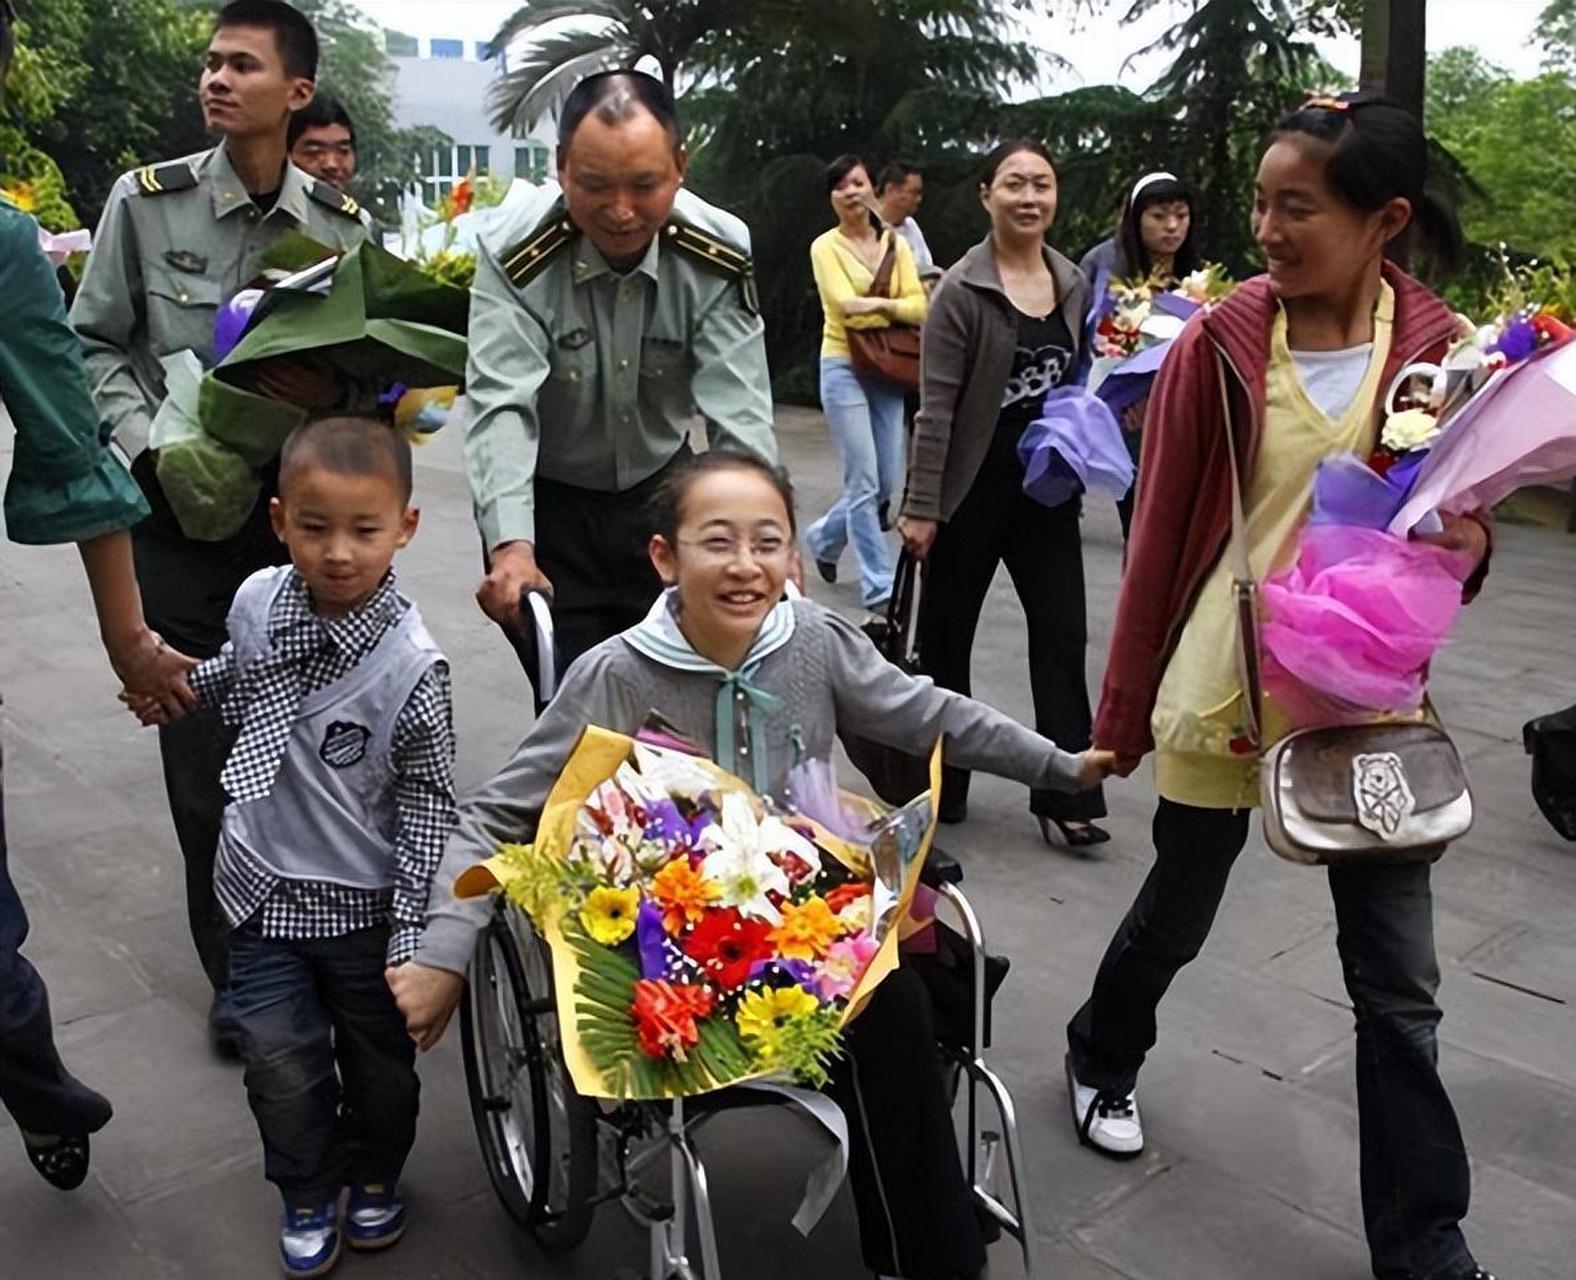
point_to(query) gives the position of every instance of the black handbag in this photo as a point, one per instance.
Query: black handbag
(1551, 742)
(896, 775)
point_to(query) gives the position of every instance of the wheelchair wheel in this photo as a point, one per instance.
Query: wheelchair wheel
(538, 1136)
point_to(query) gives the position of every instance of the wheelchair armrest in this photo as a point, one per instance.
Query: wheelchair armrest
(941, 868)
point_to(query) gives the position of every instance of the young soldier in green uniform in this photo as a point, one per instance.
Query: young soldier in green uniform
(175, 242)
(604, 316)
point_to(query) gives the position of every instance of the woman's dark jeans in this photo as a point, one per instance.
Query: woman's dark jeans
(1414, 1174)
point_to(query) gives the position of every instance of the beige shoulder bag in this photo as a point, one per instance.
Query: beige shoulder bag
(1343, 794)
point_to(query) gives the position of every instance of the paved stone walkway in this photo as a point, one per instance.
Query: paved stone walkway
(1251, 1172)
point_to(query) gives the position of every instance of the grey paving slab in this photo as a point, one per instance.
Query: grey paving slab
(1248, 1176)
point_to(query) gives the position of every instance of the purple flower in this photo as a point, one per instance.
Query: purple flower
(1518, 341)
(659, 957)
(784, 973)
(230, 324)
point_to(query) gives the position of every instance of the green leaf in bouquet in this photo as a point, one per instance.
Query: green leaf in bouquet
(293, 252)
(254, 426)
(380, 321)
(210, 488)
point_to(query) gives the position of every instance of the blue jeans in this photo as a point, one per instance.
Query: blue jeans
(865, 415)
(330, 1070)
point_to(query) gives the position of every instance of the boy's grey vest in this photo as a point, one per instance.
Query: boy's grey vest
(331, 813)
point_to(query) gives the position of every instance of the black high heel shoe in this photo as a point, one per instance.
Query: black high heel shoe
(1075, 834)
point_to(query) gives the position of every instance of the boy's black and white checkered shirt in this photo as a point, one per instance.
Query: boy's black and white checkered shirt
(320, 651)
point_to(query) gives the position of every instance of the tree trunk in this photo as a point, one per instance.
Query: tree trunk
(1376, 45)
(1407, 64)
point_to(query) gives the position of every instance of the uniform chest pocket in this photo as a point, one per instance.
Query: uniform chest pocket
(572, 360)
(181, 309)
(664, 360)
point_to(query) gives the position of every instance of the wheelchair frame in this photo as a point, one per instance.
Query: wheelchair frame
(553, 1156)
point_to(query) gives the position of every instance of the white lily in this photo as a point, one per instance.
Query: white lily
(738, 859)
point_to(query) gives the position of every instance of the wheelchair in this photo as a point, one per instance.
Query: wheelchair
(554, 1156)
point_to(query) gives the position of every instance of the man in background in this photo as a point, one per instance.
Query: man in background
(322, 141)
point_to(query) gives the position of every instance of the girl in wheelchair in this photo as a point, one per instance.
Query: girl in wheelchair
(725, 658)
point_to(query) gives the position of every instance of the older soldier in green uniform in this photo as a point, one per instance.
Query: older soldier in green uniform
(175, 242)
(604, 316)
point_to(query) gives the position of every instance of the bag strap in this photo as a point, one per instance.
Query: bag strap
(881, 282)
(1244, 589)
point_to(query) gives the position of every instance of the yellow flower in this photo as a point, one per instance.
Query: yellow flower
(21, 195)
(684, 894)
(762, 1013)
(806, 931)
(609, 914)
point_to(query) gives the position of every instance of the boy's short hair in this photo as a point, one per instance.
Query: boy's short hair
(324, 109)
(294, 35)
(348, 446)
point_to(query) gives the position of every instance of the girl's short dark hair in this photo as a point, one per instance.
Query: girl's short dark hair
(1129, 232)
(1006, 150)
(667, 503)
(1378, 152)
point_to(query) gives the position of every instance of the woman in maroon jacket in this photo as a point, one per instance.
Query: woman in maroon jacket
(1307, 351)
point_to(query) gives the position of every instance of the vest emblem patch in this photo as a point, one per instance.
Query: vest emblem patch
(344, 744)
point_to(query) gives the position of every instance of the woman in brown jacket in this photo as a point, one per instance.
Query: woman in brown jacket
(1004, 328)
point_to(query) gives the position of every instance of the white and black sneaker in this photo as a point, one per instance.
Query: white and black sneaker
(1107, 1122)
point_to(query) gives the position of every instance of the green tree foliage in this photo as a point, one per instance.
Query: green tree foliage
(1517, 140)
(806, 80)
(122, 74)
(27, 173)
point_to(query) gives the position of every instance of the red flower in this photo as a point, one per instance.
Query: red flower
(846, 894)
(665, 1014)
(725, 944)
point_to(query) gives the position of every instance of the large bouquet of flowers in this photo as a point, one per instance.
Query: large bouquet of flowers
(393, 337)
(702, 934)
(1135, 324)
(1352, 623)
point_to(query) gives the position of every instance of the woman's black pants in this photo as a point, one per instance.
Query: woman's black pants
(1414, 1175)
(1042, 548)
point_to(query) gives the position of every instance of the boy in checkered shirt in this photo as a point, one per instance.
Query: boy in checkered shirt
(341, 796)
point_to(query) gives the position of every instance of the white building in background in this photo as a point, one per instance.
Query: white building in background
(443, 83)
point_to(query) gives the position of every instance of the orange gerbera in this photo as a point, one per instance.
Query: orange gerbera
(806, 931)
(684, 894)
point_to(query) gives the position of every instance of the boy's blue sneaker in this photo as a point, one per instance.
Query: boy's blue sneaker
(309, 1241)
(374, 1216)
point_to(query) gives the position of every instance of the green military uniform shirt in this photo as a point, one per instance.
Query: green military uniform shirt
(590, 377)
(65, 485)
(177, 241)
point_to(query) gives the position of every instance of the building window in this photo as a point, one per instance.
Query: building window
(399, 45)
(448, 48)
(530, 162)
(442, 167)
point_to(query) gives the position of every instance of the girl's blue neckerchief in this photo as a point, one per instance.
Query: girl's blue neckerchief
(658, 636)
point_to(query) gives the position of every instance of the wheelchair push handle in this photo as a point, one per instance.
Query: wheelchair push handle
(536, 615)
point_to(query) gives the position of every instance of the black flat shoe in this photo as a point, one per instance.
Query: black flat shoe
(827, 569)
(1074, 834)
(61, 1161)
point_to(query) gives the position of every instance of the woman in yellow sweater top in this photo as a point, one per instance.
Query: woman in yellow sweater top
(864, 412)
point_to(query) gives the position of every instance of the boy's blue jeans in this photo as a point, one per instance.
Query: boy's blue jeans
(330, 1070)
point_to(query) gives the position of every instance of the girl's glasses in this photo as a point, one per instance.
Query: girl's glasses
(723, 550)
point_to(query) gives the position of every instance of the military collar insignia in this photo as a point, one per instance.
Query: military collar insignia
(332, 197)
(575, 339)
(718, 254)
(522, 261)
(162, 179)
(184, 260)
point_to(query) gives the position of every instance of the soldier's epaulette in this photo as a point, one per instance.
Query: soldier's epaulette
(522, 261)
(325, 193)
(161, 179)
(718, 253)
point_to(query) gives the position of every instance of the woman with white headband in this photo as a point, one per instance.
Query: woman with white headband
(1154, 236)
